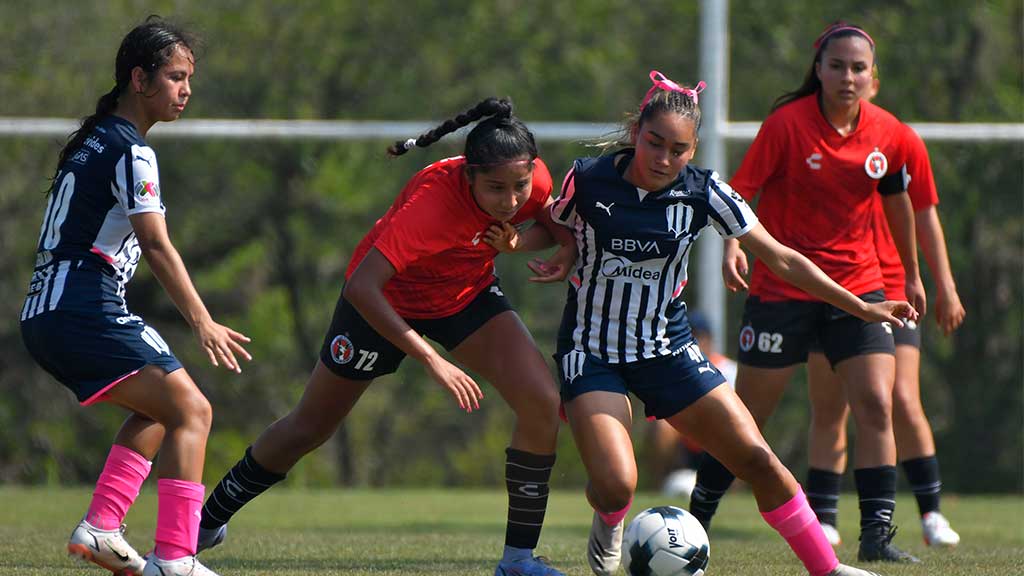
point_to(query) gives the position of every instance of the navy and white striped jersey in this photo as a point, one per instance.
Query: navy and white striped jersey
(625, 302)
(85, 227)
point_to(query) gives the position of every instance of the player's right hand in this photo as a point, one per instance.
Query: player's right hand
(222, 344)
(892, 311)
(456, 382)
(734, 267)
(949, 312)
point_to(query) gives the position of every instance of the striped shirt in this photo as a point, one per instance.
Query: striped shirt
(86, 229)
(625, 300)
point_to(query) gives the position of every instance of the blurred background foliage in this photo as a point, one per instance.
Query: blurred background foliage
(266, 228)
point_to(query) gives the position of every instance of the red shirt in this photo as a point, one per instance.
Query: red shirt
(432, 236)
(922, 195)
(818, 191)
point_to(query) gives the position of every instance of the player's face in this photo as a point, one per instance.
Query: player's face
(167, 92)
(845, 71)
(501, 190)
(665, 143)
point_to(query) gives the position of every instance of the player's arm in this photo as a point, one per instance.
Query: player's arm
(798, 270)
(220, 342)
(899, 214)
(949, 312)
(365, 290)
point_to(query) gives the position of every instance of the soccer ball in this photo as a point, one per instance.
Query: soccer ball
(665, 541)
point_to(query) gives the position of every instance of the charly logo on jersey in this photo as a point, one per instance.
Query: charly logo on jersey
(876, 164)
(621, 268)
(342, 349)
(814, 160)
(147, 190)
(678, 217)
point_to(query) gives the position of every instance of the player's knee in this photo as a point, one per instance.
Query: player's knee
(614, 493)
(874, 411)
(757, 461)
(197, 413)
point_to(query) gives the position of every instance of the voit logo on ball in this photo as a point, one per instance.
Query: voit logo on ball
(342, 349)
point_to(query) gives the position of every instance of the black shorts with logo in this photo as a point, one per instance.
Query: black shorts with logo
(353, 349)
(907, 335)
(780, 334)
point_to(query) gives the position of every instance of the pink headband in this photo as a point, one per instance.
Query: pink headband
(660, 81)
(840, 28)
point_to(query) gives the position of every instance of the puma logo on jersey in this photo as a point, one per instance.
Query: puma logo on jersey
(146, 160)
(814, 161)
(607, 208)
(705, 370)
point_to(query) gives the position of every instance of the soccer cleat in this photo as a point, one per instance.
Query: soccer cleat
(831, 534)
(187, 566)
(210, 537)
(937, 531)
(680, 483)
(876, 546)
(844, 570)
(105, 548)
(604, 549)
(532, 566)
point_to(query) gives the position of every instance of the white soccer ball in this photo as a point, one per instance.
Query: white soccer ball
(665, 541)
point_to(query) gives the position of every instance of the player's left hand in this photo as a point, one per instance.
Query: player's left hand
(916, 295)
(222, 344)
(556, 268)
(949, 312)
(894, 312)
(502, 237)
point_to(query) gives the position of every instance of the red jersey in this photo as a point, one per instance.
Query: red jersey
(432, 235)
(818, 191)
(922, 195)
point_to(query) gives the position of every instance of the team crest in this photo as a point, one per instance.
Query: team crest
(572, 365)
(746, 338)
(678, 217)
(342, 349)
(147, 189)
(876, 165)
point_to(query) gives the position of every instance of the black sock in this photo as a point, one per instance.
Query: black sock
(923, 475)
(526, 478)
(876, 488)
(245, 481)
(823, 494)
(713, 481)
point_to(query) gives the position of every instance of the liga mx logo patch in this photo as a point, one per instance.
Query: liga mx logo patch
(342, 349)
(876, 165)
(147, 190)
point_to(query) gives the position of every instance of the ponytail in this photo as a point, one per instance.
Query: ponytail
(497, 107)
(104, 107)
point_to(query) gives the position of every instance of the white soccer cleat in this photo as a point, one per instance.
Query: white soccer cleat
(844, 570)
(210, 537)
(106, 548)
(831, 534)
(604, 549)
(187, 566)
(937, 531)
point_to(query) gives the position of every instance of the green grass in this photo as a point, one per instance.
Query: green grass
(455, 532)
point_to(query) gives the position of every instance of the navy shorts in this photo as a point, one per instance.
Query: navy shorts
(780, 334)
(353, 349)
(91, 352)
(665, 385)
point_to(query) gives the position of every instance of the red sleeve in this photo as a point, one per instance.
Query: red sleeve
(421, 226)
(922, 182)
(762, 160)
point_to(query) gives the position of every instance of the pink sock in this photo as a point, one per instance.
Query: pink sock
(177, 517)
(796, 522)
(117, 487)
(613, 518)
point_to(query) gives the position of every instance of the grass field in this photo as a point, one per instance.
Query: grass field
(461, 532)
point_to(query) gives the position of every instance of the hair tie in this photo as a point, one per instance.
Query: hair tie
(661, 81)
(409, 144)
(840, 27)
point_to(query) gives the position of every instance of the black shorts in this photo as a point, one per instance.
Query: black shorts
(780, 334)
(353, 349)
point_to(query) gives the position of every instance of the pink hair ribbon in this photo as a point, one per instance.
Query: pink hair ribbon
(662, 82)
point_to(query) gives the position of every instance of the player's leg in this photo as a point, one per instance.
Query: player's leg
(826, 443)
(915, 445)
(489, 338)
(601, 422)
(352, 355)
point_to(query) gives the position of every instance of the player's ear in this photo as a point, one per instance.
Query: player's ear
(139, 80)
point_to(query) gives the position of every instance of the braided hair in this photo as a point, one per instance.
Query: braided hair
(500, 138)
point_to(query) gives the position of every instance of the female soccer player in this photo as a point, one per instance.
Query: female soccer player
(818, 162)
(427, 267)
(635, 214)
(915, 445)
(104, 213)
